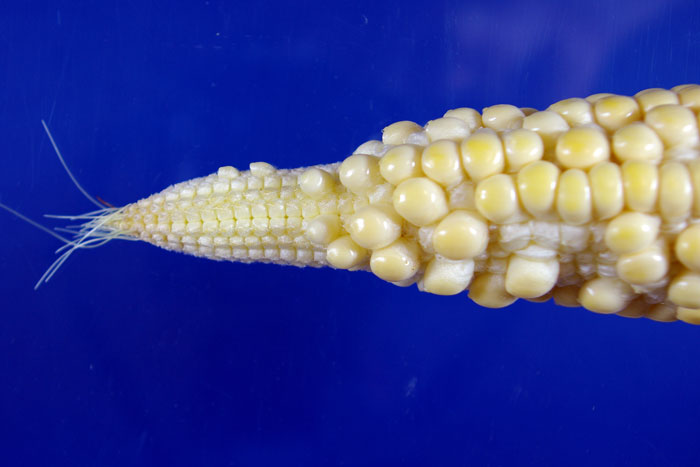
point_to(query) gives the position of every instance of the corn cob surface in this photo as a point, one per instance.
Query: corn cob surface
(593, 202)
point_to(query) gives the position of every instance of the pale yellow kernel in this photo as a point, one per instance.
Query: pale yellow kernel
(400, 163)
(676, 125)
(371, 148)
(694, 170)
(316, 182)
(582, 148)
(461, 235)
(469, 116)
(398, 133)
(687, 247)
(447, 128)
(575, 111)
(502, 117)
(323, 229)
(260, 169)
(566, 296)
(684, 290)
(574, 197)
(614, 112)
(650, 98)
(396, 262)
(228, 172)
(641, 184)
(374, 226)
(537, 185)
(359, 173)
(446, 277)
(529, 278)
(690, 97)
(662, 312)
(343, 253)
(549, 125)
(496, 198)
(688, 315)
(637, 142)
(605, 295)
(521, 148)
(606, 189)
(675, 191)
(631, 231)
(593, 98)
(420, 201)
(489, 290)
(482, 154)
(644, 267)
(441, 162)
(678, 88)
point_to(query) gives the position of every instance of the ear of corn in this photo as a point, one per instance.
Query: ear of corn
(594, 202)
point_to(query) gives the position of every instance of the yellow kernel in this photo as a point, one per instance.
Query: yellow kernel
(574, 197)
(613, 112)
(549, 125)
(488, 290)
(644, 267)
(521, 148)
(582, 148)
(684, 290)
(420, 201)
(641, 184)
(676, 125)
(593, 98)
(605, 295)
(575, 111)
(398, 133)
(400, 163)
(343, 253)
(502, 117)
(529, 278)
(441, 162)
(537, 185)
(687, 247)
(359, 173)
(662, 312)
(446, 277)
(461, 235)
(694, 170)
(606, 189)
(316, 182)
(675, 191)
(650, 98)
(690, 97)
(396, 262)
(482, 154)
(447, 128)
(374, 226)
(496, 198)
(469, 116)
(637, 142)
(323, 229)
(567, 296)
(631, 231)
(688, 315)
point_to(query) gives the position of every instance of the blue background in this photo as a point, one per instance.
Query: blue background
(134, 356)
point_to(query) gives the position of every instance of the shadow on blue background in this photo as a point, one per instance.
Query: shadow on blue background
(136, 356)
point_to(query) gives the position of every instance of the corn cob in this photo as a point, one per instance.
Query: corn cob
(593, 202)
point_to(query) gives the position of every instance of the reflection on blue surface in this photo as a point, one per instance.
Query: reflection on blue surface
(136, 356)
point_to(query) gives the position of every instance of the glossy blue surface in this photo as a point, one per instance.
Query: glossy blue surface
(135, 356)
